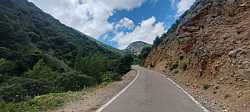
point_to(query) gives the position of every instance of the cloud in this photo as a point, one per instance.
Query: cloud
(181, 5)
(86, 15)
(147, 31)
(184, 5)
(125, 23)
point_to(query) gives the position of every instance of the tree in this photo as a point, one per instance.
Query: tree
(144, 53)
(74, 81)
(124, 64)
(42, 71)
(93, 66)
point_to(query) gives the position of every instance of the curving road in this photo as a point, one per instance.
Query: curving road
(151, 92)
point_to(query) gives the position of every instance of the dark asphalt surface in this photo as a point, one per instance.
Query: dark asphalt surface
(151, 92)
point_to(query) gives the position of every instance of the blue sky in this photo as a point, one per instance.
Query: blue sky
(162, 10)
(117, 22)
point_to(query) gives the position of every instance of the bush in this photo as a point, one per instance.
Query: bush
(18, 89)
(110, 76)
(6, 66)
(107, 77)
(5, 29)
(173, 66)
(93, 66)
(73, 81)
(206, 87)
(124, 64)
(40, 103)
(144, 53)
(42, 71)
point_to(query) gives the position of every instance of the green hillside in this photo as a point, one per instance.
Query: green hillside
(40, 55)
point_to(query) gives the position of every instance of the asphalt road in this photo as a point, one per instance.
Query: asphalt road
(151, 92)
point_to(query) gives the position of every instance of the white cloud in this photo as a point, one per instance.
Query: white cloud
(146, 31)
(125, 23)
(86, 16)
(182, 5)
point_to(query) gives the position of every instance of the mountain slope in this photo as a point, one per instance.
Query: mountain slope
(39, 55)
(136, 47)
(209, 48)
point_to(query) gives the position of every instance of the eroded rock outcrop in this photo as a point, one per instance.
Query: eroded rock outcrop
(210, 45)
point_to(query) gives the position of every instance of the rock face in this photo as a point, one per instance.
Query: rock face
(210, 44)
(136, 47)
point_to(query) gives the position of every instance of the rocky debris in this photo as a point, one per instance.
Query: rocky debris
(233, 53)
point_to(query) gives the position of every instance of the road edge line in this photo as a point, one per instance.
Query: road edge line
(119, 94)
(190, 96)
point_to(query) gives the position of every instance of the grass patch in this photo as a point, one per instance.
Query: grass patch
(47, 102)
(41, 103)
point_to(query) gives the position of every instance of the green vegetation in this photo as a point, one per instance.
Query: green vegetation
(145, 52)
(173, 66)
(41, 59)
(138, 60)
(6, 66)
(40, 103)
(206, 87)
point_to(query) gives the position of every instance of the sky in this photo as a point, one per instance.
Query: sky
(117, 22)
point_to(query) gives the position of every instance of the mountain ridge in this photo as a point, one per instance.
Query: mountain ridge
(40, 55)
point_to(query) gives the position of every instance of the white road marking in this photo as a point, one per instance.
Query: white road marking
(119, 94)
(191, 97)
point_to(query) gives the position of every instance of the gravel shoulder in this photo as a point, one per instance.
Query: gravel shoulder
(94, 98)
(198, 94)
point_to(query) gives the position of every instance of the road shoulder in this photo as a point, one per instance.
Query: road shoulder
(93, 99)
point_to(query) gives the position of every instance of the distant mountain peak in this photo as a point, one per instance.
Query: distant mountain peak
(136, 47)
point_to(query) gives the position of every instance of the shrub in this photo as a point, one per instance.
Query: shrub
(124, 64)
(5, 29)
(137, 60)
(173, 66)
(93, 66)
(206, 87)
(144, 53)
(107, 77)
(18, 89)
(6, 66)
(110, 76)
(42, 71)
(73, 81)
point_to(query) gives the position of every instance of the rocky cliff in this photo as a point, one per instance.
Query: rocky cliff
(209, 48)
